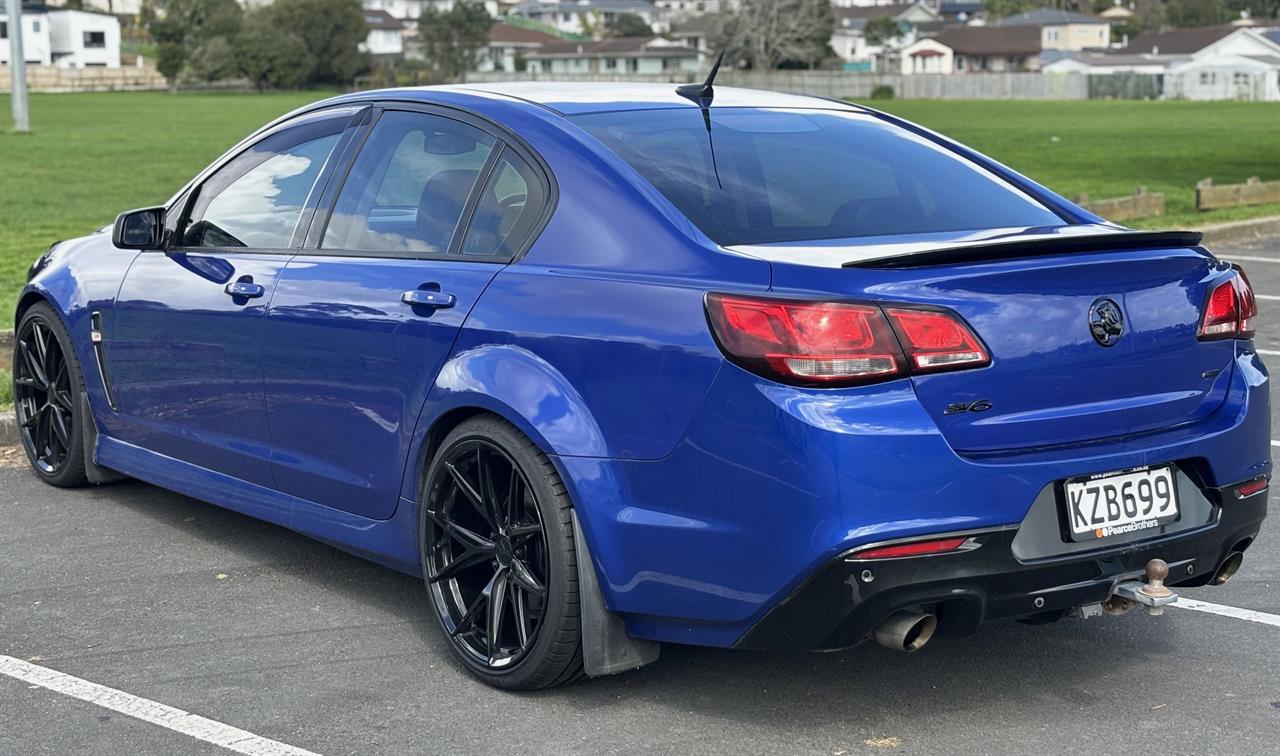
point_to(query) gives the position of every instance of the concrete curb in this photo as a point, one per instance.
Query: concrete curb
(8, 428)
(1240, 231)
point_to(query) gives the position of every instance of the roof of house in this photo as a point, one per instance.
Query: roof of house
(1102, 59)
(1047, 17)
(380, 19)
(954, 7)
(500, 33)
(990, 40)
(586, 6)
(617, 47)
(1178, 41)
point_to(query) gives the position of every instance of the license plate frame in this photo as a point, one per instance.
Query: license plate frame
(1116, 528)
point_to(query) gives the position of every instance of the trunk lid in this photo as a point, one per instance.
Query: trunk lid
(1050, 381)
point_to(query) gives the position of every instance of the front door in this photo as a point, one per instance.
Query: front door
(361, 325)
(186, 338)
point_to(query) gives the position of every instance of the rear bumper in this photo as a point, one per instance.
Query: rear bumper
(845, 599)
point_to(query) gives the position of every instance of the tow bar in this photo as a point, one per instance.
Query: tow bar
(1153, 594)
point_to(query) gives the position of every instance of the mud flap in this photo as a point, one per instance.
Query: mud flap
(95, 473)
(607, 649)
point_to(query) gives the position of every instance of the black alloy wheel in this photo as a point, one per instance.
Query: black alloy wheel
(46, 388)
(497, 571)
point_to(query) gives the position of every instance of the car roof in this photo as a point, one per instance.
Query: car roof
(576, 98)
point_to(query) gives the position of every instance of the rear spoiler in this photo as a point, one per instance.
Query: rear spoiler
(1034, 247)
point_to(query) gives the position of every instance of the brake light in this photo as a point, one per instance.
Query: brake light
(838, 343)
(936, 340)
(1231, 310)
(1245, 490)
(917, 548)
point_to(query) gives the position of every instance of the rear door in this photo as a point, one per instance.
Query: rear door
(185, 344)
(433, 206)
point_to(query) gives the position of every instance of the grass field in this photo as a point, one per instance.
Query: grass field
(93, 155)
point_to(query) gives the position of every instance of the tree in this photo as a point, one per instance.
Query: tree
(452, 40)
(331, 31)
(184, 25)
(1190, 13)
(767, 34)
(270, 56)
(1002, 8)
(214, 60)
(880, 29)
(629, 25)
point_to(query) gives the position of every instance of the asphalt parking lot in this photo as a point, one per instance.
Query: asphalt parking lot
(246, 624)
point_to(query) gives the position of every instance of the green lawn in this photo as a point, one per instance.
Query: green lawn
(1108, 148)
(93, 155)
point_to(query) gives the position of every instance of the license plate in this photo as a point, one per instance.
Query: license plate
(1121, 502)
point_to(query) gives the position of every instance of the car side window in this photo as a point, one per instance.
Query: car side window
(409, 186)
(508, 211)
(256, 199)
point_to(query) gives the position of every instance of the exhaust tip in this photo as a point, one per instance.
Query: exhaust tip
(1228, 568)
(906, 631)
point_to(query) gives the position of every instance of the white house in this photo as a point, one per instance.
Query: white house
(386, 35)
(509, 46)
(84, 40)
(36, 45)
(849, 41)
(974, 49)
(622, 55)
(592, 16)
(1227, 77)
(1063, 30)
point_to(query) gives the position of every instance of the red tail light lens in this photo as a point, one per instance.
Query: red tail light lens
(918, 548)
(1231, 310)
(937, 340)
(837, 343)
(811, 343)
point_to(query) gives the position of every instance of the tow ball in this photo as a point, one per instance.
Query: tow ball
(1153, 594)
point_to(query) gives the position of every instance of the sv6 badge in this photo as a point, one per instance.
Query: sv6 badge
(980, 405)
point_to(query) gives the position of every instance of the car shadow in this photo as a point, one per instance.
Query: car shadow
(1005, 662)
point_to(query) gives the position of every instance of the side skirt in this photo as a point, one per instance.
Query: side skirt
(392, 542)
(607, 649)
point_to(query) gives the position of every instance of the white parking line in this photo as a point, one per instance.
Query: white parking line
(1270, 352)
(1229, 611)
(200, 728)
(1275, 442)
(1247, 258)
(1256, 295)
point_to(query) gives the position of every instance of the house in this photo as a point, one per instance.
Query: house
(1227, 77)
(961, 11)
(386, 35)
(973, 49)
(695, 8)
(1117, 14)
(591, 17)
(622, 55)
(849, 41)
(509, 46)
(696, 33)
(1097, 62)
(64, 38)
(36, 46)
(1063, 30)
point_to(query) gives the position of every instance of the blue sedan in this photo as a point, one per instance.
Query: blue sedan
(612, 366)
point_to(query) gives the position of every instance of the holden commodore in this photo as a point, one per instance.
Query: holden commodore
(612, 366)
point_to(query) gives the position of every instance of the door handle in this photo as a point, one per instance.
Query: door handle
(436, 300)
(246, 289)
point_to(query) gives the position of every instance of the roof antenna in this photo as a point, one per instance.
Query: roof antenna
(702, 95)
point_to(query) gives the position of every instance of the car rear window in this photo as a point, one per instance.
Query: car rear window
(792, 175)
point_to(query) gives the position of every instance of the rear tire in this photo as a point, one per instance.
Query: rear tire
(47, 386)
(496, 522)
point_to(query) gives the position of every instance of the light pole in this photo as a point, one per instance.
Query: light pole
(17, 69)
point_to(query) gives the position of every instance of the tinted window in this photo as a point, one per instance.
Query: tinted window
(508, 211)
(256, 199)
(780, 175)
(409, 186)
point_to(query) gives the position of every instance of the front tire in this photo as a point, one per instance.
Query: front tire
(47, 385)
(499, 560)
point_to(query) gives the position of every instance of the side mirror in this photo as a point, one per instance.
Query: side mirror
(139, 229)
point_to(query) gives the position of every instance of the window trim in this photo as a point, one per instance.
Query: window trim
(504, 139)
(187, 199)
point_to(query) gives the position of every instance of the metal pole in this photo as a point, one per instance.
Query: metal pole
(17, 69)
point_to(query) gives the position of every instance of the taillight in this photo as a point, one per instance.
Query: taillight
(1231, 311)
(838, 343)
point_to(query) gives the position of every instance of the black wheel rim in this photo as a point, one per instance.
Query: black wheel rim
(42, 395)
(486, 554)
